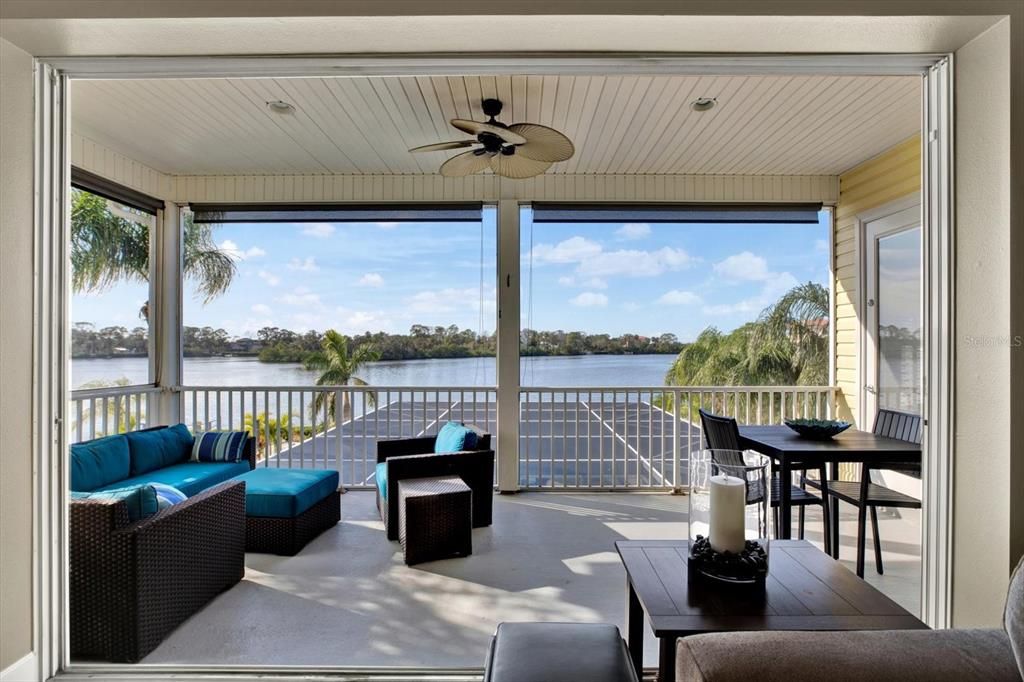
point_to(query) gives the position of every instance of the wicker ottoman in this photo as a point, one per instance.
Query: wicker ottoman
(435, 518)
(286, 508)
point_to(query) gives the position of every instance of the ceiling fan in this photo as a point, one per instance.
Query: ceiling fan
(520, 150)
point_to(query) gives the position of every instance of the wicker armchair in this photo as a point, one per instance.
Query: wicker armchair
(131, 584)
(414, 458)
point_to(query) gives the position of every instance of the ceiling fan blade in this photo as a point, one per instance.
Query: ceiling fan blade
(517, 167)
(542, 143)
(465, 163)
(441, 146)
(477, 127)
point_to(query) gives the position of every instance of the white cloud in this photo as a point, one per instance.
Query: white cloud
(677, 297)
(261, 309)
(358, 321)
(743, 267)
(593, 263)
(236, 253)
(386, 226)
(304, 265)
(633, 263)
(631, 307)
(301, 297)
(371, 279)
(588, 283)
(319, 230)
(450, 300)
(270, 278)
(774, 286)
(589, 299)
(634, 231)
(571, 250)
(821, 245)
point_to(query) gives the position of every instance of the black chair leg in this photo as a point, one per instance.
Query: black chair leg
(826, 520)
(834, 513)
(878, 540)
(800, 526)
(775, 522)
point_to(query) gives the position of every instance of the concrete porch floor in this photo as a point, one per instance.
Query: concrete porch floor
(348, 599)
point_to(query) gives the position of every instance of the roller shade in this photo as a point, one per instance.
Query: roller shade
(335, 213)
(675, 213)
(101, 186)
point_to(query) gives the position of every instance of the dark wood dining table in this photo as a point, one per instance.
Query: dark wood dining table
(793, 452)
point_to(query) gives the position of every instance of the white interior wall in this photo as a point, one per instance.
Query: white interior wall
(16, 343)
(984, 392)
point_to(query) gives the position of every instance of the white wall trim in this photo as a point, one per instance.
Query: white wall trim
(448, 64)
(25, 669)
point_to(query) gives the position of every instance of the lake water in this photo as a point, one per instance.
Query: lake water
(582, 370)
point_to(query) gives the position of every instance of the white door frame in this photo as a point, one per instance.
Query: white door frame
(52, 225)
(868, 232)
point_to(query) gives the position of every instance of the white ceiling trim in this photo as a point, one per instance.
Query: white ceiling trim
(477, 64)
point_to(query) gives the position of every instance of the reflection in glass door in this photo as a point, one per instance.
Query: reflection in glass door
(894, 312)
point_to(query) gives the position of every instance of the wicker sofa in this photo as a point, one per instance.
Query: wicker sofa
(414, 458)
(132, 583)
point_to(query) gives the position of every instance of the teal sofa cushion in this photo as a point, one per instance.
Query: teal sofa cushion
(286, 493)
(454, 437)
(381, 474)
(140, 500)
(158, 448)
(189, 477)
(99, 462)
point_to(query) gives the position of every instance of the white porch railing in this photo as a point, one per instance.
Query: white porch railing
(570, 437)
(98, 412)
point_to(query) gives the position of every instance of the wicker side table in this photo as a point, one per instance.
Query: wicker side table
(435, 518)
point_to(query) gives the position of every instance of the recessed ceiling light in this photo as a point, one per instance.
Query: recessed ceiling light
(279, 106)
(703, 103)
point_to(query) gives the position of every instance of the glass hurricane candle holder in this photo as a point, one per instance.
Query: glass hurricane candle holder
(729, 516)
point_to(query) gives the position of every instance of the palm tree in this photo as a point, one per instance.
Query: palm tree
(794, 330)
(106, 248)
(338, 368)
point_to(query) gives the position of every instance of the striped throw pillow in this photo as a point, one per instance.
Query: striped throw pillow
(219, 446)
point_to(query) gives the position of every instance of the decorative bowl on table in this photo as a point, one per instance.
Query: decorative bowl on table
(817, 429)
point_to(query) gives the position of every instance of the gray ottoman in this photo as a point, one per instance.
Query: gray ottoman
(435, 518)
(558, 652)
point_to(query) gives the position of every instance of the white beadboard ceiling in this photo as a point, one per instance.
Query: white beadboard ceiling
(763, 125)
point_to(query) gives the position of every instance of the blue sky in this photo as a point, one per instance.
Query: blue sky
(613, 278)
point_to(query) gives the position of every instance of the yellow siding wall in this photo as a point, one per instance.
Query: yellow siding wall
(890, 176)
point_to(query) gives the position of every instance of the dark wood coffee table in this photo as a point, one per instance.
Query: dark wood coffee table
(806, 590)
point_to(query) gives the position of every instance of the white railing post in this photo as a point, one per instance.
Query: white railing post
(508, 346)
(166, 319)
(677, 482)
(339, 417)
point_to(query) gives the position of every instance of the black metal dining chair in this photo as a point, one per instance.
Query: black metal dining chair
(867, 496)
(723, 433)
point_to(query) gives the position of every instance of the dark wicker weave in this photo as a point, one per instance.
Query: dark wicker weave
(435, 518)
(131, 584)
(288, 536)
(407, 458)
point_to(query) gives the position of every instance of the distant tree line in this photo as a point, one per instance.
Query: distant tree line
(273, 344)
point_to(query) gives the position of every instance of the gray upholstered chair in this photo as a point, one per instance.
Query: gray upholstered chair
(990, 655)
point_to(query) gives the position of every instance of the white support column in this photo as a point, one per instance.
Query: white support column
(508, 345)
(165, 312)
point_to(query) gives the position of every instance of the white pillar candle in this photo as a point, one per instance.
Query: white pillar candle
(728, 506)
